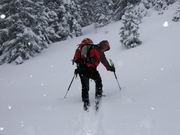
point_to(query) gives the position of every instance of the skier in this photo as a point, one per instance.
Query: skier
(87, 57)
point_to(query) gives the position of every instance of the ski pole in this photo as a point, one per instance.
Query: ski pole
(69, 86)
(117, 80)
(112, 64)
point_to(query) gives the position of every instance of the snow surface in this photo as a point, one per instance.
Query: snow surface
(32, 103)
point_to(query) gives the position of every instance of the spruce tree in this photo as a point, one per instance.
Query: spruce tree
(170, 1)
(147, 3)
(22, 38)
(119, 7)
(176, 17)
(63, 20)
(159, 5)
(140, 11)
(73, 18)
(93, 11)
(86, 12)
(30, 25)
(129, 35)
(103, 12)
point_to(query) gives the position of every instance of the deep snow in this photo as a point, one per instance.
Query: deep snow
(32, 103)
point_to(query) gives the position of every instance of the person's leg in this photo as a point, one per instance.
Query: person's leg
(85, 88)
(98, 82)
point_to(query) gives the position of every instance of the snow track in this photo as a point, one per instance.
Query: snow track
(89, 123)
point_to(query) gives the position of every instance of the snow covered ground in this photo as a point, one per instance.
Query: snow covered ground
(31, 94)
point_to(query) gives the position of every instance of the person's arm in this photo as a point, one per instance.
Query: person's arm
(104, 61)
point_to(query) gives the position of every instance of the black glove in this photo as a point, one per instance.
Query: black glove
(76, 71)
(112, 69)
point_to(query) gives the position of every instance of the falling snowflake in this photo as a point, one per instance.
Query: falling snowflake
(42, 84)
(9, 107)
(152, 108)
(3, 16)
(44, 95)
(88, 133)
(166, 24)
(52, 66)
(1, 129)
(162, 69)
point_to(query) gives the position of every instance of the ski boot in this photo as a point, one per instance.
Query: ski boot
(97, 102)
(86, 106)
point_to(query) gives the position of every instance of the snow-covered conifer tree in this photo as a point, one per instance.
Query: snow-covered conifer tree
(147, 3)
(86, 12)
(129, 35)
(73, 18)
(63, 20)
(119, 7)
(30, 25)
(140, 11)
(22, 38)
(176, 17)
(159, 5)
(170, 2)
(103, 12)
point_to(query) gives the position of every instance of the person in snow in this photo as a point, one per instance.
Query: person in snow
(87, 57)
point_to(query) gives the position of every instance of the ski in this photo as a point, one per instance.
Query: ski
(97, 103)
(98, 100)
(86, 107)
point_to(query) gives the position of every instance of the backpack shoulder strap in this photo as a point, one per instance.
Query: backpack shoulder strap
(90, 46)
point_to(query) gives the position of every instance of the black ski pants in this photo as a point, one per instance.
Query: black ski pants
(86, 74)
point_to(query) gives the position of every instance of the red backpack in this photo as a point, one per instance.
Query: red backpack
(87, 54)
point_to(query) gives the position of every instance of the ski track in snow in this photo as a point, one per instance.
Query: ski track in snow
(89, 123)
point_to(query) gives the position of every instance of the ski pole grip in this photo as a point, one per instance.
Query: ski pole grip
(111, 63)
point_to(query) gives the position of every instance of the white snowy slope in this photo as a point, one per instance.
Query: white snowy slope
(31, 94)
